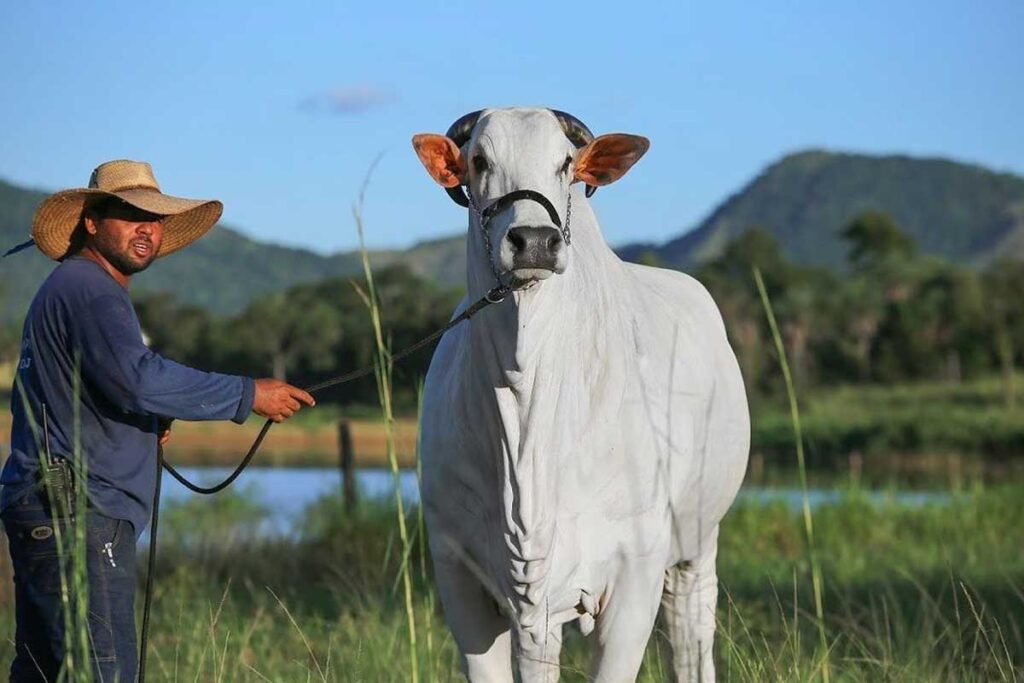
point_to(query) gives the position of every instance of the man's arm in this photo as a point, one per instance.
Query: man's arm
(136, 379)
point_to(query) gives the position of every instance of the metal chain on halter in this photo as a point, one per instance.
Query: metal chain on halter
(566, 235)
(486, 235)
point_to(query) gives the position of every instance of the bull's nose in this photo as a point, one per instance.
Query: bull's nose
(532, 242)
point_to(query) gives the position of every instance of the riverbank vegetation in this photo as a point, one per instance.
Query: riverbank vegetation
(883, 431)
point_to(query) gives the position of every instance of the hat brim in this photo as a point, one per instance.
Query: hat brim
(186, 220)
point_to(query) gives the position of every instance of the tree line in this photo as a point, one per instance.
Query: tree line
(307, 333)
(892, 315)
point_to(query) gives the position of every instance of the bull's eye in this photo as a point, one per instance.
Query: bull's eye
(479, 163)
(566, 165)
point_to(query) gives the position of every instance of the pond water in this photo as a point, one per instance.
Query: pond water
(286, 492)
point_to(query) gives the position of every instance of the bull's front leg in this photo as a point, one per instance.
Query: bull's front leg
(623, 627)
(538, 655)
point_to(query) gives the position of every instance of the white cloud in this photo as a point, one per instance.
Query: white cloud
(348, 100)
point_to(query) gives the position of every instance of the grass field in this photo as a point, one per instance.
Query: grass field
(931, 593)
(966, 421)
(911, 594)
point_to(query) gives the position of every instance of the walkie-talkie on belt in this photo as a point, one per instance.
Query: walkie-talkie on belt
(57, 480)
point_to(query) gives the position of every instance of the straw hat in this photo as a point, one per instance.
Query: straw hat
(133, 182)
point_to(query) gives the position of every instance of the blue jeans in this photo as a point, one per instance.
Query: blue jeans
(38, 606)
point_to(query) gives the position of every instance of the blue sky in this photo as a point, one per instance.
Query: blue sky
(279, 108)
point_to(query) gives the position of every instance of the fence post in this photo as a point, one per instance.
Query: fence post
(346, 460)
(856, 467)
(757, 466)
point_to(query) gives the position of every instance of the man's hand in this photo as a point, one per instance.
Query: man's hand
(279, 400)
(163, 430)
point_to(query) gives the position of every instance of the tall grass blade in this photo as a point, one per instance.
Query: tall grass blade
(71, 550)
(383, 368)
(428, 612)
(794, 410)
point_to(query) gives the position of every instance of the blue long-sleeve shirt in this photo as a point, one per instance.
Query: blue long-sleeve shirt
(82, 318)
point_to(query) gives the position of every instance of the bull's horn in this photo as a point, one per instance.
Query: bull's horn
(459, 133)
(578, 134)
(574, 129)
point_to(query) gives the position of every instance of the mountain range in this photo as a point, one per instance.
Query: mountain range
(963, 212)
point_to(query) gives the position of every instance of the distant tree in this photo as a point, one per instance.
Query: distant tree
(289, 327)
(755, 247)
(1004, 310)
(411, 308)
(10, 337)
(176, 330)
(10, 343)
(805, 315)
(650, 258)
(950, 308)
(859, 313)
(885, 273)
(875, 239)
(729, 277)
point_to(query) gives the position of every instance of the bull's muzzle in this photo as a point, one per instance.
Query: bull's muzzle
(535, 248)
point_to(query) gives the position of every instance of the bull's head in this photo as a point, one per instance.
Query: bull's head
(516, 166)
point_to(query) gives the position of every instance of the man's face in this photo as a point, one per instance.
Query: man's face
(126, 236)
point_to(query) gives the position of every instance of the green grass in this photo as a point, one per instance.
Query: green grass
(879, 422)
(928, 593)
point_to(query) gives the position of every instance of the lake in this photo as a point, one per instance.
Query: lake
(288, 491)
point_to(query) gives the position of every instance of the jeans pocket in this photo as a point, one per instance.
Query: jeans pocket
(103, 531)
(111, 547)
(36, 553)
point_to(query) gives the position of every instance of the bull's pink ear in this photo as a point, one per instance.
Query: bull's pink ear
(608, 157)
(441, 158)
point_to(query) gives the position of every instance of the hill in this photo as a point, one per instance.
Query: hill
(962, 212)
(222, 272)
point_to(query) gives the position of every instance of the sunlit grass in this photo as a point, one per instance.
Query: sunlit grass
(914, 593)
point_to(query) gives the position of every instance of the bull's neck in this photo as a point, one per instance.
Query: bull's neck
(570, 321)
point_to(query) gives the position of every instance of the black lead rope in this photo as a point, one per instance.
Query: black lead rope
(151, 565)
(492, 297)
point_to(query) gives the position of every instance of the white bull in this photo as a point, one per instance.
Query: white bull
(582, 439)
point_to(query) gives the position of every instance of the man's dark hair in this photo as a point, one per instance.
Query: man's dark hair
(101, 206)
(96, 208)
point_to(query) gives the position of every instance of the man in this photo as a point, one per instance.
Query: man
(88, 392)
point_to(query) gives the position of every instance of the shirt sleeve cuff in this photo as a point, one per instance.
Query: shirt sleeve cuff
(245, 403)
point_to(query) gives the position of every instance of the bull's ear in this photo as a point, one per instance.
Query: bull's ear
(441, 158)
(608, 157)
